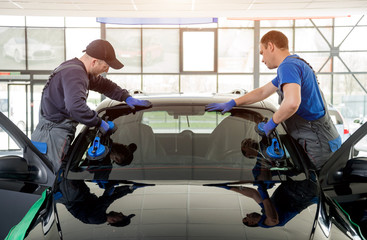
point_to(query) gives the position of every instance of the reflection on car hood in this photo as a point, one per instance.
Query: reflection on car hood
(171, 212)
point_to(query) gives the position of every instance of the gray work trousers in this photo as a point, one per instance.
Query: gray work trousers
(58, 137)
(319, 138)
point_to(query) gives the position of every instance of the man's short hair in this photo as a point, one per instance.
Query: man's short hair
(249, 144)
(277, 38)
(124, 153)
(253, 225)
(248, 225)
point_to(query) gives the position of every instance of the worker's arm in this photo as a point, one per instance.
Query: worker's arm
(108, 88)
(248, 192)
(257, 94)
(263, 200)
(271, 213)
(251, 97)
(272, 217)
(290, 103)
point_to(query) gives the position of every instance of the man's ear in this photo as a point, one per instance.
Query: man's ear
(271, 46)
(94, 61)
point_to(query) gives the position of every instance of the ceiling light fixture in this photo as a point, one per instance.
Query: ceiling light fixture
(16, 4)
(284, 18)
(156, 21)
(134, 5)
(251, 4)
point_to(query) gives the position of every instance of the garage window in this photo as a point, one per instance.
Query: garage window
(199, 52)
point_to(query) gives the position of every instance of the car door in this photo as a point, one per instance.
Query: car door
(25, 174)
(344, 166)
(343, 179)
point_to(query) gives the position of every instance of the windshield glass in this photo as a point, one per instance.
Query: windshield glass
(183, 143)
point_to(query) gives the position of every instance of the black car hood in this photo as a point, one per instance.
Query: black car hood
(171, 212)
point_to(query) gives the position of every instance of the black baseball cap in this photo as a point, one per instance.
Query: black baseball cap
(103, 50)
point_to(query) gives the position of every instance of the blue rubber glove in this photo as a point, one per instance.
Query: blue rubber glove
(219, 186)
(268, 127)
(107, 126)
(104, 127)
(132, 102)
(224, 107)
(135, 186)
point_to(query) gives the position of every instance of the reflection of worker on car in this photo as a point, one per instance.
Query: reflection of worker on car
(117, 153)
(288, 200)
(261, 171)
(263, 151)
(250, 148)
(120, 154)
(89, 208)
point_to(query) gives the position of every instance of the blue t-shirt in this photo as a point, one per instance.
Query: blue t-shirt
(284, 218)
(293, 70)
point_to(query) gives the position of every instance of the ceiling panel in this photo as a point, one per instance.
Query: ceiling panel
(183, 8)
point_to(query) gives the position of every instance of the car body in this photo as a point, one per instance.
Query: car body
(37, 51)
(184, 174)
(339, 123)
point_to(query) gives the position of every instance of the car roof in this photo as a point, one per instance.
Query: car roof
(187, 98)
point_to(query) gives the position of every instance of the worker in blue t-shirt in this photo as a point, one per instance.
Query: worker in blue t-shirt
(302, 105)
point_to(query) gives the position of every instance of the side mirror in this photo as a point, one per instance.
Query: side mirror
(15, 167)
(358, 121)
(356, 170)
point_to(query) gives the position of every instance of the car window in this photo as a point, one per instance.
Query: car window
(164, 122)
(183, 143)
(4, 105)
(8, 146)
(360, 149)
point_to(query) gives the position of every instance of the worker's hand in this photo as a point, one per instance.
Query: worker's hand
(268, 127)
(108, 126)
(132, 102)
(224, 107)
(264, 184)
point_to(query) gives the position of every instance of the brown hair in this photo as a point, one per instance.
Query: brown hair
(275, 37)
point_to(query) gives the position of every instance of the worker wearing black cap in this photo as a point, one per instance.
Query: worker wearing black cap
(64, 98)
